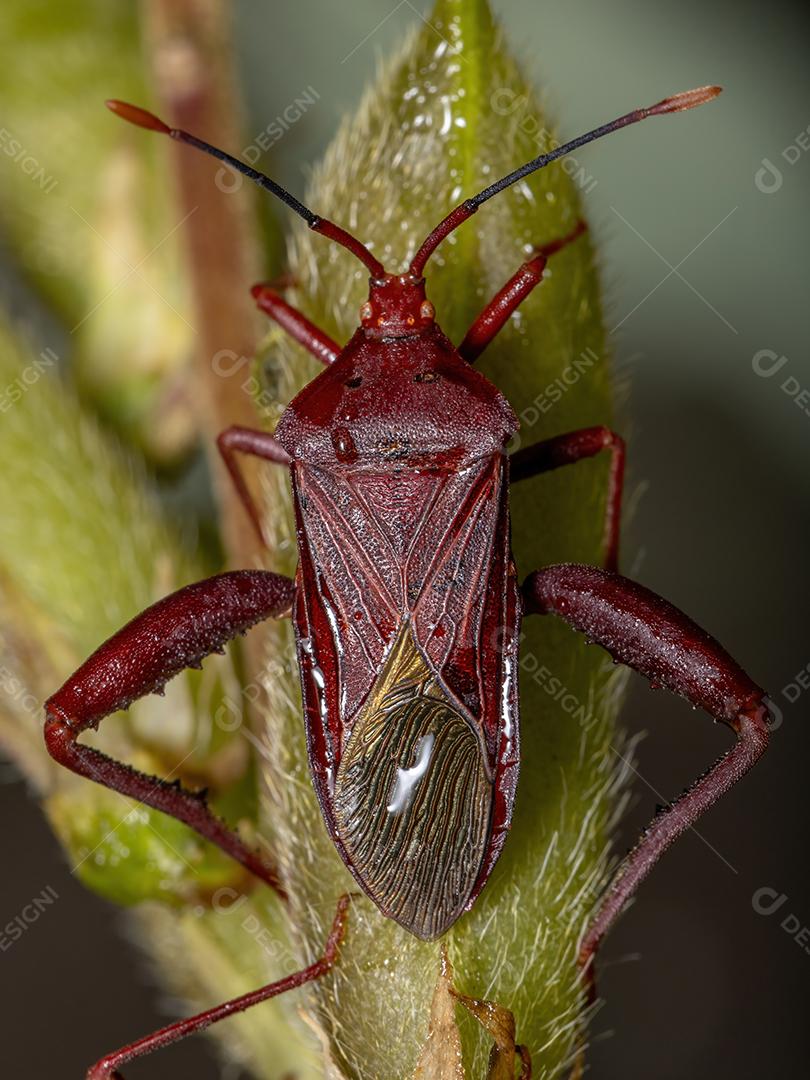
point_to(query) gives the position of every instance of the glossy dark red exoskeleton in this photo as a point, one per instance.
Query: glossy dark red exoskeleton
(406, 606)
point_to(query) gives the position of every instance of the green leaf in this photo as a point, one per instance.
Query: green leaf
(129, 853)
(86, 211)
(448, 117)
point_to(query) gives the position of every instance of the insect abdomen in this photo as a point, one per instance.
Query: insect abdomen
(412, 798)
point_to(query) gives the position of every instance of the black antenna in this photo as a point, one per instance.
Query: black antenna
(142, 118)
(689, 99)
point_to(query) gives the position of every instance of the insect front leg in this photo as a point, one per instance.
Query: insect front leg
(575, 446)
(496, 314)
(173, 634)
(298, 326)
(107, 1068)
(650, 635)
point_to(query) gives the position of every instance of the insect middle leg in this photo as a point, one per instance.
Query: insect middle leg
(650, 635)
(173, 634)
(260, 444)
(107, 1068)
(575, 446)
(496, 314)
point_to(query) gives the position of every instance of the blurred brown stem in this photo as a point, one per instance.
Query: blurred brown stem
(189, 43)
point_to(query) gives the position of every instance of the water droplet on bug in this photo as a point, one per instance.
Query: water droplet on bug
(345, 449)
(408, 779)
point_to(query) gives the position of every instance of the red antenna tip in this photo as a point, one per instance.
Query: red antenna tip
(689, 99)
(137, 116)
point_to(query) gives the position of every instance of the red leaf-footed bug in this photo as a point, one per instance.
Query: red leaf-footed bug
(406, 606)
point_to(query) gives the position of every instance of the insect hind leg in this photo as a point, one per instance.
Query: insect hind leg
(108, 1067)
(650, 635)
(173, 634)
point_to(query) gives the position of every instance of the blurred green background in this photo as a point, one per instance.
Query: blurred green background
(704, 253)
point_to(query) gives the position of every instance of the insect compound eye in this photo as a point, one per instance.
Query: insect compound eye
(365, 311)
(427, 310)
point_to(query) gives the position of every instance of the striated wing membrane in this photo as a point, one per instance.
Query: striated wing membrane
(412, 798)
